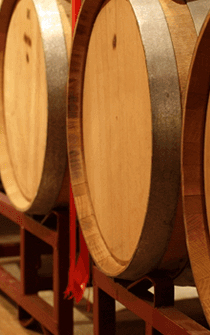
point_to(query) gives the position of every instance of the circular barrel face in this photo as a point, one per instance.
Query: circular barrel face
(124, 129)
(117, 128)
(128, 77)
(33, 111)
(25, 98)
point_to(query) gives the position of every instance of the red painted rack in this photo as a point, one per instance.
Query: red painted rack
(158, 312)
(35, 240)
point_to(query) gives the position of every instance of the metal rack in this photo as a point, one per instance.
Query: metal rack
(35, 240)
(158, 311)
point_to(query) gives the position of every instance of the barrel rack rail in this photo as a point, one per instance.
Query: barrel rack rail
(158, 311)
(35, 240)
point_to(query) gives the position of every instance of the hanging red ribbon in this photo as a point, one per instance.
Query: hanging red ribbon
(75, 6)
(78, 273)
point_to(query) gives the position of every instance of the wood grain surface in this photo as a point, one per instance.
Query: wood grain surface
(117, 151)
(34, 88)
(195, 167)
(25, 93)
(126, 89)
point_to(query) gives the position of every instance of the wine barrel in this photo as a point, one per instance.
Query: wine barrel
(35, 36)
(128, 76)
(195, 167)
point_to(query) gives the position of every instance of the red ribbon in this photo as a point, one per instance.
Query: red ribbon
(78, 273)
(75, 7)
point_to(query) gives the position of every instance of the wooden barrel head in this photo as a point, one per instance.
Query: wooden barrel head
(117, 152)
(34, 85)
(195, 167)
(124, 128)
(25, 98)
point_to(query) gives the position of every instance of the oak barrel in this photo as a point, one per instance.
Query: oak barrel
(196, 167)
(35, 37)
(128, 76)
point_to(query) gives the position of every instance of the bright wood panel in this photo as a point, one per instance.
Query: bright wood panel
(25, 98)
(117, 128)
(105, 146)
(33, 112)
